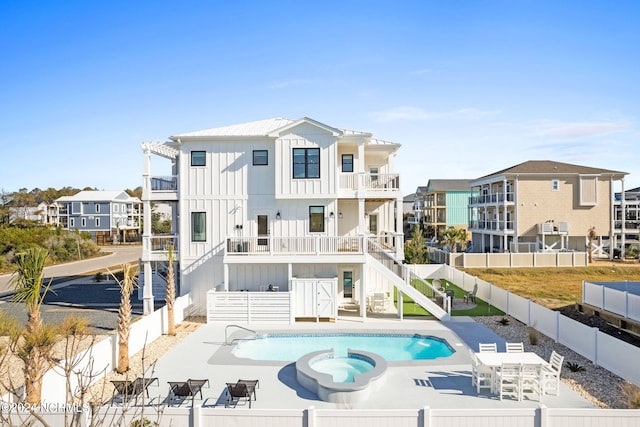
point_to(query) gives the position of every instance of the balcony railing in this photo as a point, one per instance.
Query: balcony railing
(370, 181)
(491, 225)
(164, 183)
(308, 245)
(491, 198)
(159, 243)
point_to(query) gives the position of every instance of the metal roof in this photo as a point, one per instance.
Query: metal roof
(547, 167)
(99, 196)
(449, 185)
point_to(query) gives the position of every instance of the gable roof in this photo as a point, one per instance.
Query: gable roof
(272, 128)
(99, 196)
(547, 167)
(449, 185)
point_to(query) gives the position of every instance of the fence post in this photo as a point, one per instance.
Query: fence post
(196, 416)
(557, 337)
(596, 331)
(311, 417)
(426, 417)
(543, 413)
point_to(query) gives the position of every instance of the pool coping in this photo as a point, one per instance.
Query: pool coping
(224, 355)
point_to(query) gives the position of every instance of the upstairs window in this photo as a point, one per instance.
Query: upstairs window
(306, 163)
(198, 158)
(97, 207)
(260, 157)
(555, 185)
(316, 219)
(347, 163)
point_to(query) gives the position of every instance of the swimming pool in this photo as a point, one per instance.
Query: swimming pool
(392, 347)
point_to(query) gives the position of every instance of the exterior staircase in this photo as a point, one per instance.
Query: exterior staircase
(421, 292)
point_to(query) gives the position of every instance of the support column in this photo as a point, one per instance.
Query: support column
(147, 291)
(363, 291)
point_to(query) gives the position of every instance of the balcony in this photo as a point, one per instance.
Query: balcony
(156, 248)
(163, 188)
(379, 184)
(495, 225)
(484, 199)
(314, 246)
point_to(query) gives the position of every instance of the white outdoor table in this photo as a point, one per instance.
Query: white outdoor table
(495, 360)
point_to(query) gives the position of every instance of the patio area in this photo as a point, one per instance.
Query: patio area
(443, 383)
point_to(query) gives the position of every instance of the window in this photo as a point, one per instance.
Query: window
(198, 158)
(347, 163)
(260, 157)
(306, 163)
(116, 208)
(316, 219)
(83, 221)
(72, 222)
(198, 226)
(97, 222)
(97, 207)
(555, 185)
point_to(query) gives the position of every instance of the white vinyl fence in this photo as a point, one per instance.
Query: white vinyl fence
(102, 357)
(623, 300)
(602, 349)
(311, 417)
(508, 259)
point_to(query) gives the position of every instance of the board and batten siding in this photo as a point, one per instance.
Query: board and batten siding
(457, 212)
(306, 136)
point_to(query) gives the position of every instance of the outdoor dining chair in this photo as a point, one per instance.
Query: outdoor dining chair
(488, 347)
(515, 347)
(551, 374)
(508, 380)
(481, 376)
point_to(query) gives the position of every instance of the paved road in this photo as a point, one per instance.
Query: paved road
(117, 256)
(73, 294)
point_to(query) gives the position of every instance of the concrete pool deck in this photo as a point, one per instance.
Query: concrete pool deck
(440, 383)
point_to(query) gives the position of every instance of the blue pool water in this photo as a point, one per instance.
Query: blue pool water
(392, 347)
(342, 369)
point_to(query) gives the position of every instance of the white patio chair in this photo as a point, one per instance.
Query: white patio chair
(508, 380)
(488, 347)
(551, 375)
(481, 375)
(515, 347)
(379, 302)
(531, 381)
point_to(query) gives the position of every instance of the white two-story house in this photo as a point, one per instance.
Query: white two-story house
(307, 210)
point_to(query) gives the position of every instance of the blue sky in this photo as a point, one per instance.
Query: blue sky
(467, 87)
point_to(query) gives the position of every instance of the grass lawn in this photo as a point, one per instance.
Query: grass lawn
(482, 308)
(555, 287)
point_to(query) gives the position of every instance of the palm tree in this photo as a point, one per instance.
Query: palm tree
(170, 297)
(27, 281)
(127, 284)
(591, 235)
(451, 236)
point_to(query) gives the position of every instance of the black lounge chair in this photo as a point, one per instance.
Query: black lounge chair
(251, 386)
(185, 389)
(238, 391)
(128, 390)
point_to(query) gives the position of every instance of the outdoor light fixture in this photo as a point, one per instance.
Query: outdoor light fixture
(340, 215)
(278, 216)
(330, 214)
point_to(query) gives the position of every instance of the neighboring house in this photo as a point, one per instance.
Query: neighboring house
(628, 231)
(312, 210)
(446, 205)
(110, 216)
(541, 206)
(417, 208)
(38, 213)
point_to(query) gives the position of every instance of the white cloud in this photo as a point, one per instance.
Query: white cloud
(418, 114)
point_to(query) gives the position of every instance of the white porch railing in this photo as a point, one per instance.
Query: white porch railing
(370, 181)
(308, 245)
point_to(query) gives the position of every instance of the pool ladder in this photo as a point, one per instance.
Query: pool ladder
(226, 330)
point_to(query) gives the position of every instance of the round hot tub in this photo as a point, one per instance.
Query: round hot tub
(347, 380)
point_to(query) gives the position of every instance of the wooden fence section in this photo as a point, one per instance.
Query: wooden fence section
(311, 417)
